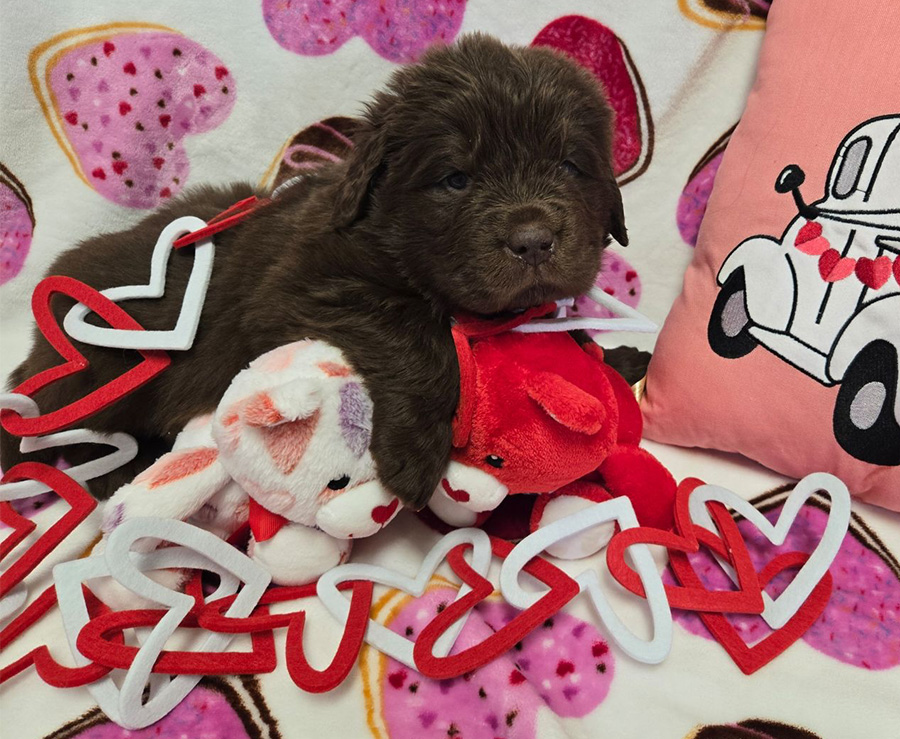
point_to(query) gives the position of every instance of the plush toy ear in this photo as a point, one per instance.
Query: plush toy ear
(566, 403)
(291, 401)
(465, 409)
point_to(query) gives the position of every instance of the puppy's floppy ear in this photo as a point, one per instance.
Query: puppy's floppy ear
(617, 214)
(363, 166)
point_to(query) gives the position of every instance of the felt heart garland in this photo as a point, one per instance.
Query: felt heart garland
(181, 335)
(302, 673)
(779, 610)
(386, 641)
(562, 589)
(153, 362)
(81, 504)
(48, 669)
(687, 538)
(750, 658)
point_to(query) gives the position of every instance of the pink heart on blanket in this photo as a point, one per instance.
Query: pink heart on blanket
(859, 624)
(617, 278)
(695, 196)
(121, 104)
(16, 225)
(398, 30)
(563, 667)
(602, 53)
(204, 712)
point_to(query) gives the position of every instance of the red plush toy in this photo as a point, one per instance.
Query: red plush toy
(540, 414)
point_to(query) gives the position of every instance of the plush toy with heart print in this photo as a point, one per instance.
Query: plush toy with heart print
(541, 414)
(287, 450)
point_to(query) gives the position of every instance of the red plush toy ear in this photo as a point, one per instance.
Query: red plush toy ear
(631, 422)
(566, 403)
(465, 409)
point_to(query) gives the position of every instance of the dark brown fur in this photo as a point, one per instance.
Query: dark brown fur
(375, 254)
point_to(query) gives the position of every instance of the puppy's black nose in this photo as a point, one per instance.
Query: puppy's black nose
(532, 243)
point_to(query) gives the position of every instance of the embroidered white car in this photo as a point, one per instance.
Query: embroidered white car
(826, 297)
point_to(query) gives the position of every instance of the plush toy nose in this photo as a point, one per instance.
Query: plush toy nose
(532, 242)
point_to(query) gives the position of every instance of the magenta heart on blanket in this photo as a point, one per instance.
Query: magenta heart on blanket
(617, 278)
(564, 666)
(398, 30)
(203, 713)
(695, 196)
(602, 53)
(122, 102)
(16, 225)
(859, 625)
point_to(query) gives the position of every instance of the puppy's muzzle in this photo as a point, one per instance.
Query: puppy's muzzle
(533, 243)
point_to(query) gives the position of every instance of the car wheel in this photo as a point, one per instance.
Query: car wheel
(864, 422)
(729, 324)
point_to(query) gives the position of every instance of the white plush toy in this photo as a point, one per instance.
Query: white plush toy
(287, 450)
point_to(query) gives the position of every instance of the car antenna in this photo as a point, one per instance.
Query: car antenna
(790, 180)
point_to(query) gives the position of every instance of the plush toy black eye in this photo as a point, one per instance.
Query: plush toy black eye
(340, 483)
(494, 461)
(570, 167)
(457, 181)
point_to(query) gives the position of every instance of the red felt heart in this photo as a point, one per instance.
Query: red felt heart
(382, 514)
(833, 267)
(302, 673)
(897, 270)
(460, 496)
(100, 639)
(751, 658)
(97, 641)
(48, 669)
(746, 599)
(81, 504)
(874, 273)
(33, 612)
(153, 363)
(562, 589)
(21, 528)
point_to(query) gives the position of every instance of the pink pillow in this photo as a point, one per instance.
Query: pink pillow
(785, 342)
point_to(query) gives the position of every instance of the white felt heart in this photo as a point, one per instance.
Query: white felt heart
(198, 549)
(621, 512)
(627, 318)
(126, 450)
(181, 337)
(782, 609)
(381, 638)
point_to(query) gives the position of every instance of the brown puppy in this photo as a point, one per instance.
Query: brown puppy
(481, 180)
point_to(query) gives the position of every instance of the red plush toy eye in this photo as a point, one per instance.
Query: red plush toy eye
(494, 461)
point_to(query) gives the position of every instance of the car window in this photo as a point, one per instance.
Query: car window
(851, 167)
